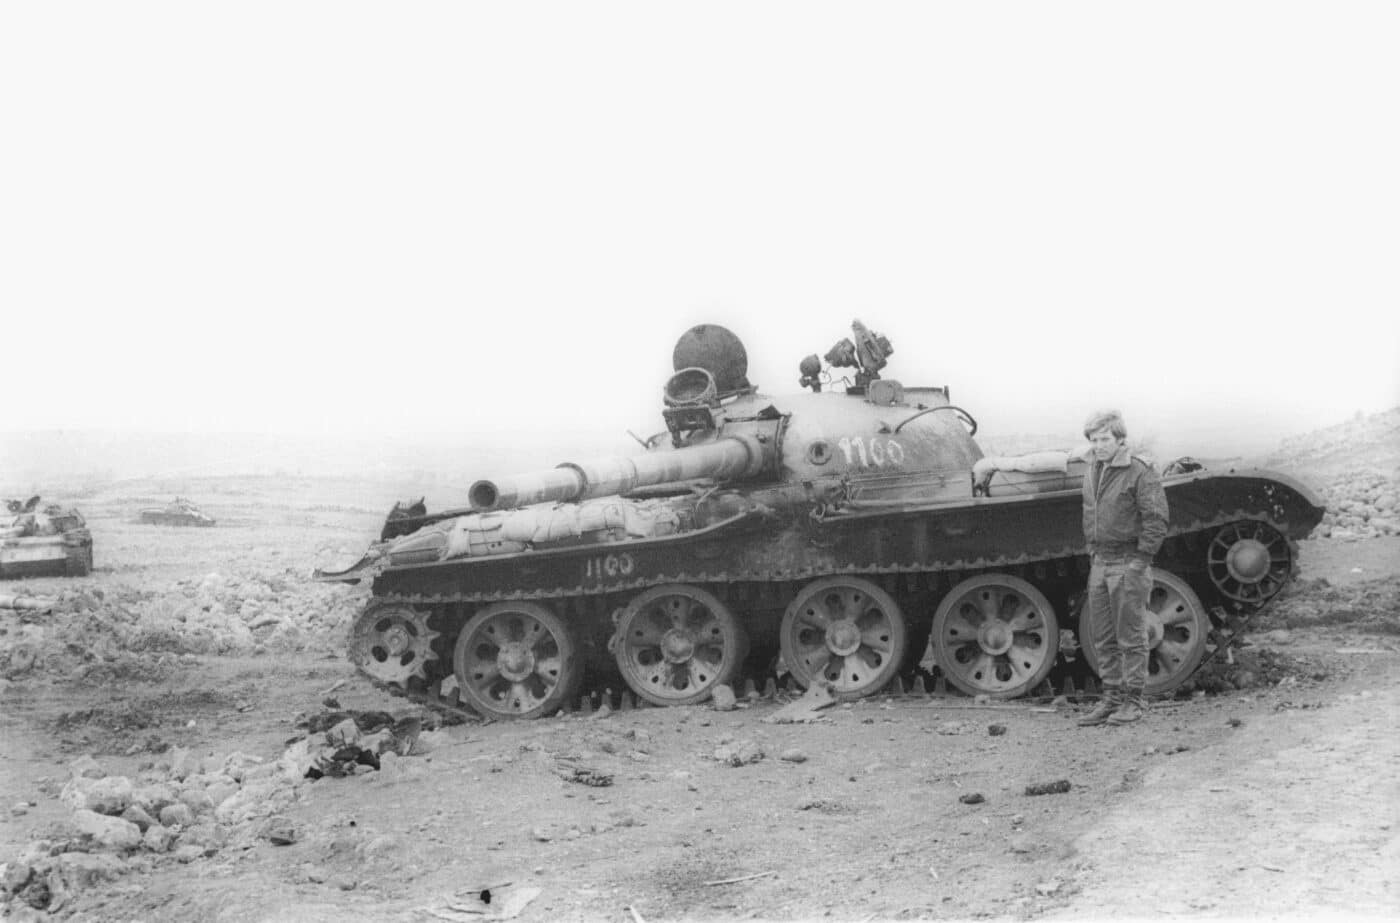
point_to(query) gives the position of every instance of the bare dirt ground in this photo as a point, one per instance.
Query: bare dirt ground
(1279, 799)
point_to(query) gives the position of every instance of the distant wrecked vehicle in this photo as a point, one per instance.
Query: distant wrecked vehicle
(48, 541)
(178, 512)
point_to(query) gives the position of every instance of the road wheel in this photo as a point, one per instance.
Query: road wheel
(844, 632)
(676, 643)
(996, 635)
(516, 660)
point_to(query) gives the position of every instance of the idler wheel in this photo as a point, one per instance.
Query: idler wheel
(676, 643)
(391, 642)
(516, 660)
(1249, 561)
(1177, 630)
(845, 632)
(996, 635)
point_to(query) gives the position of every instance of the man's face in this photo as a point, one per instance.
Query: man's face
(1105, 444)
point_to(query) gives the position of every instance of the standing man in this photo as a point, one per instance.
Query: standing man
(1125, 521)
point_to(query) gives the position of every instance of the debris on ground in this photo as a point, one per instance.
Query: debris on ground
(1058, 787)
(583, 775)
(806, 708)
(739, 754)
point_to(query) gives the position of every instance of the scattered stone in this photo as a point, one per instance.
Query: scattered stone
(183, 764)
(972, 798)
(740, 754)
(1058, 787)
(111, 832)
(208, 834)
(158, 839)
(16, 875)
(85, 767)
(996, 730)
(585, 776)
(343, 734)
(951, 727)
(187, 854)
(722, 699)
(1235, 722)
(176, 815)
(81, 871)
(793, 755)
(280, 832)
(139, 817)
(154, 798)
(197, 800)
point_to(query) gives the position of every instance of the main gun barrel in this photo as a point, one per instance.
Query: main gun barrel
(725, 459)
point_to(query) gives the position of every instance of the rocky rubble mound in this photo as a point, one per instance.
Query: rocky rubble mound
(89, 632)
(186, 808)
(1361, 505)
(1356, 465)
(181, 809)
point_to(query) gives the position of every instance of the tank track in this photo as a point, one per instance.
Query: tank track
(1178, 547)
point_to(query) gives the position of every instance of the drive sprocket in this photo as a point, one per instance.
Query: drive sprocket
(391, 642)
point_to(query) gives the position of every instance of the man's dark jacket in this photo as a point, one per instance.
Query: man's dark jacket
(1125, 507)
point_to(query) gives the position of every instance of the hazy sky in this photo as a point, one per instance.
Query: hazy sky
(497, 218)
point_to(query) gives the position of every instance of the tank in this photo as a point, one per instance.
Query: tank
(844, 536)
(178, 512)
(48, 540)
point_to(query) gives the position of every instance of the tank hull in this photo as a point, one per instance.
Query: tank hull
(65, 555)
(771, 550)
(162, 518)
(771, 543)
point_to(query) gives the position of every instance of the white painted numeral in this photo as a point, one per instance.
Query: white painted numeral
(876, 452)
(612, 565)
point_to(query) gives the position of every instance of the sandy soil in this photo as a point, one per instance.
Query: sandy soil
(1277, 800)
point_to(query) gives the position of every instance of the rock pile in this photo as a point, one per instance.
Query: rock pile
(1356, 465)
(218, 613)
(185, 808)
(181, 809)
(1362, 505)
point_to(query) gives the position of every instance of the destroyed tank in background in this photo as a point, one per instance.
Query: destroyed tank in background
(178, 512)
(49, 540)
(831, 534)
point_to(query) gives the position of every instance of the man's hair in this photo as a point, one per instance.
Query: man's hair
(1110, 420)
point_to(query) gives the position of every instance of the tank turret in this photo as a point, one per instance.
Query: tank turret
(829, 535)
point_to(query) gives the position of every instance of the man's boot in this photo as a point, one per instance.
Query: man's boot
(1133, 708)
(1108, 705)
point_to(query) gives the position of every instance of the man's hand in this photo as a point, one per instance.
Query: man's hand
(1139, 565)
